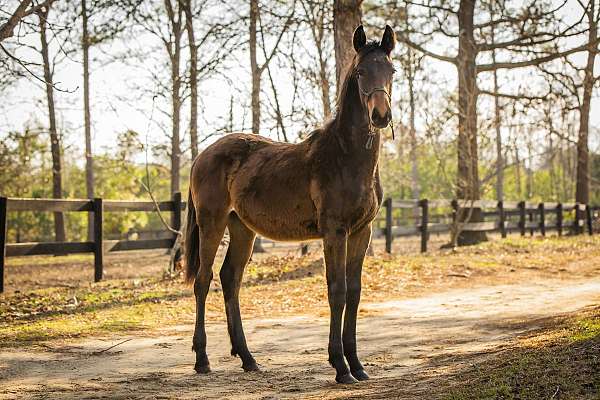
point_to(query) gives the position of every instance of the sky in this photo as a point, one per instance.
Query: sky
(122, 95)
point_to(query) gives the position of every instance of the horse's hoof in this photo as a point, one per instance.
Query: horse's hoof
(361, 375)
(202, 369)
(250, 367)
(345, 379)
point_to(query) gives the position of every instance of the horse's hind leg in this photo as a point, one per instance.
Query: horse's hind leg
(212, 226)
(241, 240)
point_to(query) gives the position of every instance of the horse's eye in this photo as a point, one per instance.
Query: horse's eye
(393, 70)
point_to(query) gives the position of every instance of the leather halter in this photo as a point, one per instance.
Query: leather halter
(372, 131)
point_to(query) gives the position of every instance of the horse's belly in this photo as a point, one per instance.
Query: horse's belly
(278, 225)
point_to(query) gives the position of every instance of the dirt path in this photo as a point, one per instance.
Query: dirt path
(405, 340)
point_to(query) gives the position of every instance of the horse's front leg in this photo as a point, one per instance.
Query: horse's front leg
(335, 247)
(357, 247)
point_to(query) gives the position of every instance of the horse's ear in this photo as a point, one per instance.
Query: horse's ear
(359, 39)
(388, 41)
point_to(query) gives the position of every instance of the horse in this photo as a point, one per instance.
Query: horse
(326, 187)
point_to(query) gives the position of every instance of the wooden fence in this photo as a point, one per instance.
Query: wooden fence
(97, 245)
(439, 216)
(427, 216)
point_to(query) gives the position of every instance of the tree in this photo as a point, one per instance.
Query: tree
(347, 16)
(89, 159)
(411, 62)
(55, 145)
(24, 9)
(316, 17)
(256, 68)
(532, 29)
(574, 84)
(189, 28)
(173, 48)
(582, 189)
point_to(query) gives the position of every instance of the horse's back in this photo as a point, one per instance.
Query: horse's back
(265, 182)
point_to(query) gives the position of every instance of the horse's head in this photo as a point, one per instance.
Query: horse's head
(374, 72)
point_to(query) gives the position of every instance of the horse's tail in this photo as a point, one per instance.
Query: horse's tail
(191, 242)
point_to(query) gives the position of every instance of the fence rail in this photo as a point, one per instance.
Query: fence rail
(98, 246)
(531, 217)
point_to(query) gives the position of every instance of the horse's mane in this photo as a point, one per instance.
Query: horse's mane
(343, 100)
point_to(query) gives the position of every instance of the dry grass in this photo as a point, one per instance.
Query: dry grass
(560, 362)
(276, 286)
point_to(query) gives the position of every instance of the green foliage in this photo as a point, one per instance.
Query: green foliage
(26, 166)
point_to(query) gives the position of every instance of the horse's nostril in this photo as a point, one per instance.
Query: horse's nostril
(375, 116)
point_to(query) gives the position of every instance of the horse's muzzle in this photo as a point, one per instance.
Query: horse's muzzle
(381, 121)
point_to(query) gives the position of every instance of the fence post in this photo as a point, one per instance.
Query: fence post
(3, 229)
(542, 219)
(98, 245)
(502, 216)
(388, 225)
(559, 218)
(589, 219)
(522, 217)
(424, 204)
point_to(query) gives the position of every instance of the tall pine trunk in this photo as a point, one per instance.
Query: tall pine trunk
(89, 160)
(55, 146)
(468, 174)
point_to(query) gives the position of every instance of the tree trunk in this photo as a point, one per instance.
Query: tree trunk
(347, 17)
(89, 160)
(324, 81)
(415, 187)
(468, 175)
(499, 156)
(255, 95)
(518, 173)
(256, 72)
(582, 189)
(189, 25)
(175, 55)
(318, 33)
(529, 169)
(59, 222)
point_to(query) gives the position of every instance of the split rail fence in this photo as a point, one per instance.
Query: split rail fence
(401, 218)
(441, 216)
(98, 246)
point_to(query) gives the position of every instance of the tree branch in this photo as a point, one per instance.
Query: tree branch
(535, 61)
(423, 50)
(7, 29)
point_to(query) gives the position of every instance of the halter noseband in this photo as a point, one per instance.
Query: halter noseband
(368, 94)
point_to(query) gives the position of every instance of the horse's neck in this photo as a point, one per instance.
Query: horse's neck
(353, 131)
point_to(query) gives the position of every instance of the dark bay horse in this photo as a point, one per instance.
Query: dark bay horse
(326, 187)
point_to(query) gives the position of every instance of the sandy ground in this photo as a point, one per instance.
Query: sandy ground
(407, 346)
